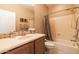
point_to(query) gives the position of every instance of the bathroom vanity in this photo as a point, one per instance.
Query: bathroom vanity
(23, 49)
(28, 44)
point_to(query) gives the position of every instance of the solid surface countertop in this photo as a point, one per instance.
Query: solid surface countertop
(7, 44)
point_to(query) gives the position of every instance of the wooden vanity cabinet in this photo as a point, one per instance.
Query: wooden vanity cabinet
(24, 49)
(39, 46)
(34, 47)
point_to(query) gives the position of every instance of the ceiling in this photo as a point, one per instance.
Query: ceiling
(50, 5)
(28, 6)
(54, 5)
(31, 6)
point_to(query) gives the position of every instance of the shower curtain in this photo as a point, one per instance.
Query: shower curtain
(47, 29)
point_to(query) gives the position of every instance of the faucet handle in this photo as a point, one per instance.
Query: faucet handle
(73, 40)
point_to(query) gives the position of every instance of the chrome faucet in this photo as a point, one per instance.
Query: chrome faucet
(77, 44)
(74, 40)
(77, 32)
(10, 34)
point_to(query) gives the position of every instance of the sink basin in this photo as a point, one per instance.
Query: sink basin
(23, 37)
(18, 37)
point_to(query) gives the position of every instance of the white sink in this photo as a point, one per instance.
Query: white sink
(17, 37)
(23, 37)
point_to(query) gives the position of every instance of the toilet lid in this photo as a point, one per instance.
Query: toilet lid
(50, 43)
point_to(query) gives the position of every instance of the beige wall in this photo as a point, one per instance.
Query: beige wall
(61, 25)
(20, 10)
(40, 12)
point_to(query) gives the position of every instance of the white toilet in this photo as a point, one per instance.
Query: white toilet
(49, 44)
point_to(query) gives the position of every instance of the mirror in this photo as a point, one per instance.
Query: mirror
(7, 21)
(15, 18)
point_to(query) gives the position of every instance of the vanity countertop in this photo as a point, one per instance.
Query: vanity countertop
(11, 43)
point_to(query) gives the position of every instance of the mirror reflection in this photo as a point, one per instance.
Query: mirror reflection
(15, 19)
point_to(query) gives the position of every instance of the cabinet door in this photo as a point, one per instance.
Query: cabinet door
(25, 49)
(39, 46)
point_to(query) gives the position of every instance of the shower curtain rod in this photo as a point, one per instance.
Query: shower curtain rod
(62, 10)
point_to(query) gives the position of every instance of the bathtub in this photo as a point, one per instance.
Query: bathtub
(64, 47)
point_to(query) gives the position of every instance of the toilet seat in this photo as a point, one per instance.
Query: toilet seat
(49, 44)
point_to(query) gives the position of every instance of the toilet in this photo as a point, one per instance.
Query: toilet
(49, 44)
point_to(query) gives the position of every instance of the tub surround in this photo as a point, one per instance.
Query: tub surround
(7, 44)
